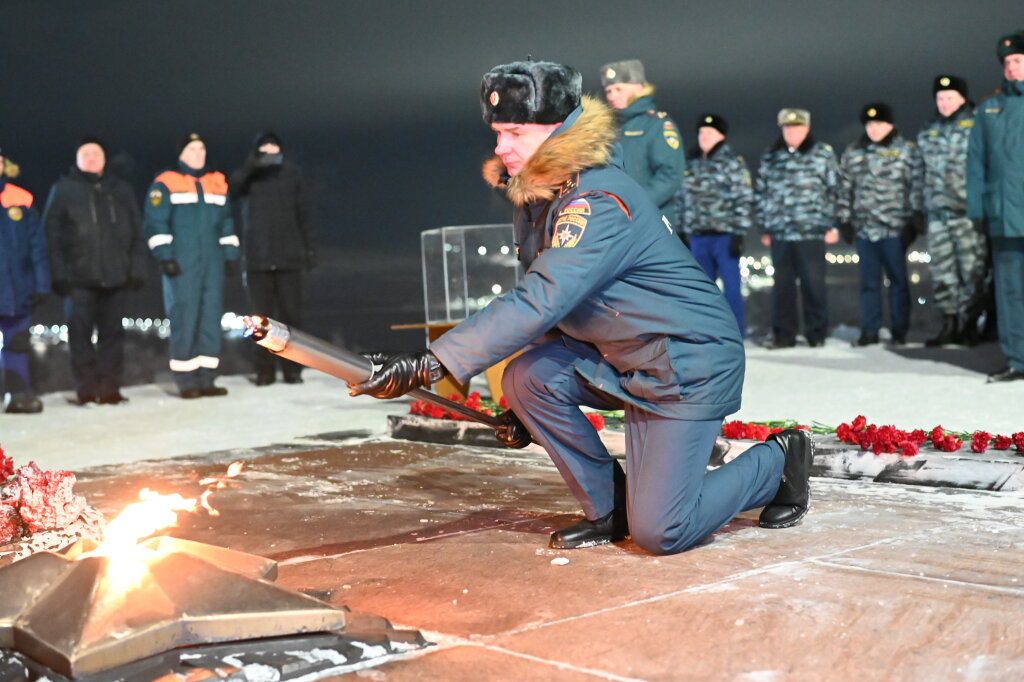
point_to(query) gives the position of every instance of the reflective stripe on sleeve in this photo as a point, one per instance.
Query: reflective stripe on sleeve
(184, 197)
(219, 199)
(159, 240)
(231, 240)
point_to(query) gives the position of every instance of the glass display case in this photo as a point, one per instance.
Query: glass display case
(464, 267)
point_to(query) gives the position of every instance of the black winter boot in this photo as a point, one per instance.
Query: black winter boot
(949, 334)
(612, 527)
(794, 497)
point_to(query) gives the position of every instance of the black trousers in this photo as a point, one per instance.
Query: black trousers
(802, 260)
(276, 294)
(98, 369)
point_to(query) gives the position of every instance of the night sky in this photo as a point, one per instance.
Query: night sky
(378, 102)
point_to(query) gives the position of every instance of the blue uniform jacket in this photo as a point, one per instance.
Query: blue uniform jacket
(24, 264)
(605, 269)
(995, 162)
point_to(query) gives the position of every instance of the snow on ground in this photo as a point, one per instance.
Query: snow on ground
(828, 385)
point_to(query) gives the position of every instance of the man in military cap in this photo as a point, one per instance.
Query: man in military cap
(636, 325)
(795, 204)
(652, 149)
(717, 207)
(958, 251)
(879, 209)
(995, 195)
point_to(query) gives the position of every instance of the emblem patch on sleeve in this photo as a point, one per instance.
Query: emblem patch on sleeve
(570, 224)
(15, 213)
(671, 134)
(156, 197)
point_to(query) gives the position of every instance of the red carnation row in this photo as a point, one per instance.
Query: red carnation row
(739, 430)
(889, 439)
(473, 401)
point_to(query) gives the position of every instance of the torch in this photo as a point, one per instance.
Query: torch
(310, 351)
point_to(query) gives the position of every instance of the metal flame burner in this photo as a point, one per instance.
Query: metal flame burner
(80, 616)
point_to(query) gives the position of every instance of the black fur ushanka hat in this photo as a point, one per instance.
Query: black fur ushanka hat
(530, 92)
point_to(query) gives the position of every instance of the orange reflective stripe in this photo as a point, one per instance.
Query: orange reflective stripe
(177, 182)
(214, 183)
(15, 196)
(620, 203)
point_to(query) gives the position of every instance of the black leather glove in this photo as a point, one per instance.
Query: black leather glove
(684, 238)
(980, 225)
(914, 227)
(135, 283)
(61, 287)
(736, 246)
(230, 268)
(400, 374)
(847, 232)
(511, 432)
(37, 299)
(170, 267)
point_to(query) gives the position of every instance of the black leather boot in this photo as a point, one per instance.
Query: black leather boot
(949, 334)
(794, 497)
(612, 527)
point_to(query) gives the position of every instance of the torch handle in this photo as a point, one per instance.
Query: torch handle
(308, 350)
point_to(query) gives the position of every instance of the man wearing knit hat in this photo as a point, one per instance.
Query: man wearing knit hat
(277, 240)
(796, 190)
(24, 281)
(879, 209)
(652, 148)
(717, 208)
(635, 324)
(958, 252)
(189, 230)
(94, 228)
(995, 195)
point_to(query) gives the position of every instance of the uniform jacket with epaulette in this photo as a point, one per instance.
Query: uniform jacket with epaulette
(24, 265)
(652, 152)
(716, 195)
(796, 191)
(606, 270)
(995, 162)
(879, 190)
(943, 144)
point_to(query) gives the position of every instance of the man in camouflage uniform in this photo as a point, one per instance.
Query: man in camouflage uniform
(879, 209)
(795, 205)
(957, 250)
(717, 205)
(652, 149)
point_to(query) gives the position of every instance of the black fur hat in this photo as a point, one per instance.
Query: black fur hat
(91, 139)
(1010, 44)
(713, 121)
(876, 111)
(187, 139)
(949, 82)
(530, 92)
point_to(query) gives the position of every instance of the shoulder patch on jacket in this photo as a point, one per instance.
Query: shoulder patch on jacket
(668, 129)
(15, 213)
(156, 197)
(967, 123)
(570, 224)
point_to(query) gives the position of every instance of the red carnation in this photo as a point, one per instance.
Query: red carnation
(937, 435)
(843, 432)
(1003, 443)
(416, 407)
(859, 422)
(503, 403)
(918, 436)
(980, 441)
(596, 420)
(733, 429)
(434, 411)
(6, 466)
(1018, 441)
(950, 444)
(758, 431)
(908, 448)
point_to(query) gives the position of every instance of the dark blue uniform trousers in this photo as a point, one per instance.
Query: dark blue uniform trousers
(804, 260)
(875, 257)
(712, 253)
(672, 502)
(1008, 268)
(14, 354)
(194, 301)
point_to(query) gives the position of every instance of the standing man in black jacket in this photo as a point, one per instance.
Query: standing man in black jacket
(94, 231)
(277, 241)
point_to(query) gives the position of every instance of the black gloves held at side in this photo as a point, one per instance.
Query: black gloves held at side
(914, 227)
(400, 374)
(511, 432)
(170, 267)
(980, 225)
(230, 268)
(736, 246)
(847, 232)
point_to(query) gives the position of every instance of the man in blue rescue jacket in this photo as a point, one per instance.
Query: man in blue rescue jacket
(634, 324)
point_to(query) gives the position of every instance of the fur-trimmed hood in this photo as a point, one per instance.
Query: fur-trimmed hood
(586, 143)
